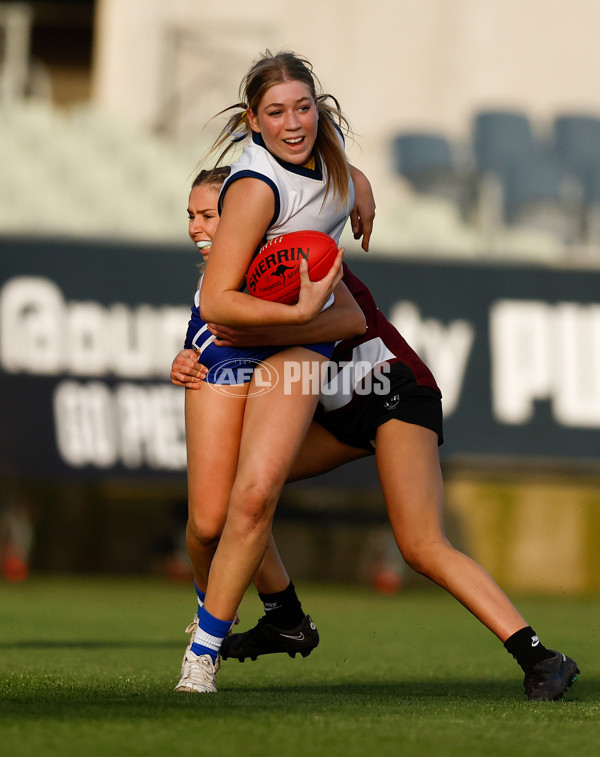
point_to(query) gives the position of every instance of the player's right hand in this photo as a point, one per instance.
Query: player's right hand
(187, 371)
(314, 294)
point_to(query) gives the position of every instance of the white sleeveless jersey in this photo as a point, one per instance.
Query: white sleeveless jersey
(299, 192)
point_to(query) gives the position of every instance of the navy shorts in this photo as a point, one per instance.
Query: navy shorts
(233, 365)
(357, 422)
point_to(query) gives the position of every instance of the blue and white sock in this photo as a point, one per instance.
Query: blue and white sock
(201, 596)
(210, 634)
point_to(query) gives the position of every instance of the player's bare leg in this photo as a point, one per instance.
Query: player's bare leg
(278, 630)
(272, 433)
(409, 471)
(274, 427)
(320, 452)
(212, 463)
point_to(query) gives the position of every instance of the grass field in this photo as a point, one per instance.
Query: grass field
(87, 667)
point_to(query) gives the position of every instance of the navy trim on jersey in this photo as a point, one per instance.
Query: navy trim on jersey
(310, 173)
(338, 128)
(251, 175)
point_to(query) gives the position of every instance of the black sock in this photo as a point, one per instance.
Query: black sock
(526, 648)
(283, 609)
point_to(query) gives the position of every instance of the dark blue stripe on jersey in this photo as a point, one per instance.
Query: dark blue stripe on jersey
(252, 175)
(309, 173)
(339, 131)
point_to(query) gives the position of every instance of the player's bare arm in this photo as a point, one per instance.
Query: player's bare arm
(363, 212)
(343, 320)
(235, 241)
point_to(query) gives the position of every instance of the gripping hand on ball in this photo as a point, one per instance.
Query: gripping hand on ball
(314, 294)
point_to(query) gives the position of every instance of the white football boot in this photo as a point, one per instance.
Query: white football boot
(198, 674)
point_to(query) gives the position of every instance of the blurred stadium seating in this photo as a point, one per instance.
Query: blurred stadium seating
(532, 180)
(82, 173)
(519, 193)
(501, 139)
(428, 162)
(511, 187)
(508, 193)
(425, 159)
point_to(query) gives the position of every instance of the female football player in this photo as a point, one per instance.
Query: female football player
(206, 514)
(292, 176)
(403, 429)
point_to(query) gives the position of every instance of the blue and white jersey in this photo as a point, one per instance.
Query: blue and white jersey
(226, 365)
(299, 192)
(299, 204)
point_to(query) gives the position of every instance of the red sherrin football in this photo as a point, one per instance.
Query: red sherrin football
(274, 274)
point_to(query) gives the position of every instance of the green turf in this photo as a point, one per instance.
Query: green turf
(87, 668)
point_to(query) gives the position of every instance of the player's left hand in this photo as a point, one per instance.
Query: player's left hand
(363, 212)
(187, 371)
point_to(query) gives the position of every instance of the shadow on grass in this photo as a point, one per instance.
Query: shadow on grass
(88, 644)
(32, 699)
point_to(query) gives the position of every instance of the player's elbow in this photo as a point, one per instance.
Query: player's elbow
(351, 323)
(209, 309)
(357, 324)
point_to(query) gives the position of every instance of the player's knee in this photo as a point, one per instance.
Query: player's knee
(204, 530)
(416, 561)
(424, 557)
(252, 505)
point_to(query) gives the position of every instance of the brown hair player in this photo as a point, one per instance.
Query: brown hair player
(292, 175)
